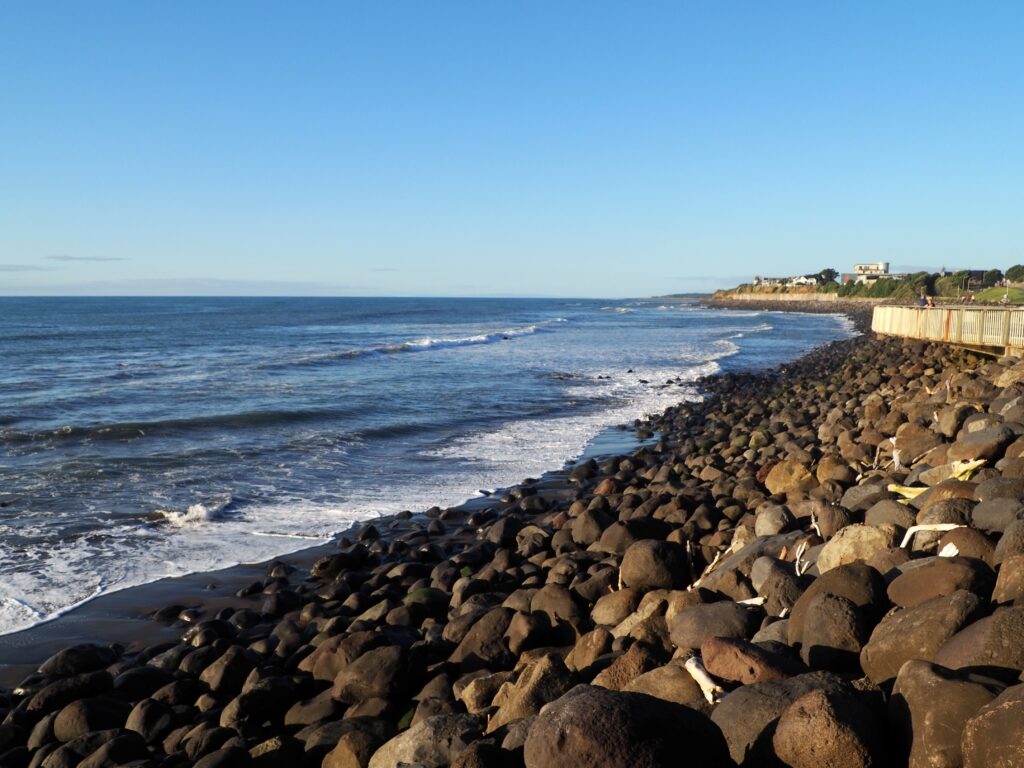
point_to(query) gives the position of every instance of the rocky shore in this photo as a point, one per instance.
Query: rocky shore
(816, 566)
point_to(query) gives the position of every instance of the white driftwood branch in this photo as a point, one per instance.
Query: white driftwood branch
(706, 571)
(801, 568)
(712, 691)
(914, 529)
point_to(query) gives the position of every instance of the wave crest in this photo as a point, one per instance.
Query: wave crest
(420, 345)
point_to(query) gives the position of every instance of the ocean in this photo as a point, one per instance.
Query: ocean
(150, 437)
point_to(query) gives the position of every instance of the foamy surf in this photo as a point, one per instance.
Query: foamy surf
(247, 453)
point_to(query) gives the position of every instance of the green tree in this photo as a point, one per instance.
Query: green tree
(992, 277)
(1015, 274)
(828, 275)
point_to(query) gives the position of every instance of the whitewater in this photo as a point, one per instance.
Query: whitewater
(145, 438)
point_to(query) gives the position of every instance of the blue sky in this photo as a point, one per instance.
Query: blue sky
(531, 148)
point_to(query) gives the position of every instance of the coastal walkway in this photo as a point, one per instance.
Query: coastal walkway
(990, 330)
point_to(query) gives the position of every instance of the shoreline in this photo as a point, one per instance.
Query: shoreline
(749, 579)
(124, 616)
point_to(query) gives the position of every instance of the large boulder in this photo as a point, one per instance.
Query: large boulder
(928, 709)
(861, 584)
(855, 543)
(986, 443)
(637, 660)
(86, 715)
(835, 630)
(913, 441)
(1010, 543)
(431, 743)
(1010, 582)
(592, 727)
(940, 576)
(62, 692)
(991, 645)
(747, 715)
(228, 672)
(996, 515)
(378, 673)
(672, 683)
(485, 646)
(653, 564)
(789, 477)
(916, 633)
(831, 729)
(743, 662)
(541, 682)
(994, 735)
(79, 659)
(691, 627)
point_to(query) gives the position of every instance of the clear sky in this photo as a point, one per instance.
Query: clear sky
(485, 148)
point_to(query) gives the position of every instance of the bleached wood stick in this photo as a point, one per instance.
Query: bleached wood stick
(796, 561)
(706, 571)
(912, 530)
(712, 691)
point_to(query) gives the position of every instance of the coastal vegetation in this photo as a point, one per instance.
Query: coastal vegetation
(991, 286)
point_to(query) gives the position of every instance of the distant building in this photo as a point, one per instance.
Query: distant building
(770, 282)
(865, 274)
(877, 269)
(802, 280)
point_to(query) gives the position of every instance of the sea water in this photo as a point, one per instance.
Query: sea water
(150, 437)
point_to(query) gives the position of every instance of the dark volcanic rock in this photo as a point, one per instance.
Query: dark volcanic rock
(485, 646)
(595, 728)
(832, 729)
(991, 645)
(835, 630)
(63, 692)
(542, 682)
(78, 659)
(432, 743)
(691, 627)
(743, 662)
(85, 715)
(916, 633)
(928, 709)
(861, 584)
(653, 564)
(941, 576)
(151, 719)
(747, 715)
(378, 673)
(994, 735)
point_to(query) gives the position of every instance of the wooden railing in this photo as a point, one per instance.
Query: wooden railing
(978, 327)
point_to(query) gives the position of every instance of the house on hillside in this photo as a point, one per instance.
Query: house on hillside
(804, 280)
(770, 282)
(865, 274)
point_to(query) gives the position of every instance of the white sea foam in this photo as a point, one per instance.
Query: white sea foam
(428, 342)
(41, 585)
(57, 573)
(195, 514)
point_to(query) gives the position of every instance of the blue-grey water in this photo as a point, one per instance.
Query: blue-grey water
(147, 437)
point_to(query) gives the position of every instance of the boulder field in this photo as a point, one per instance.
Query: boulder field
(817, 565)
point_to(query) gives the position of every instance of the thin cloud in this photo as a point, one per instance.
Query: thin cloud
(62, 257)
(23, 268)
